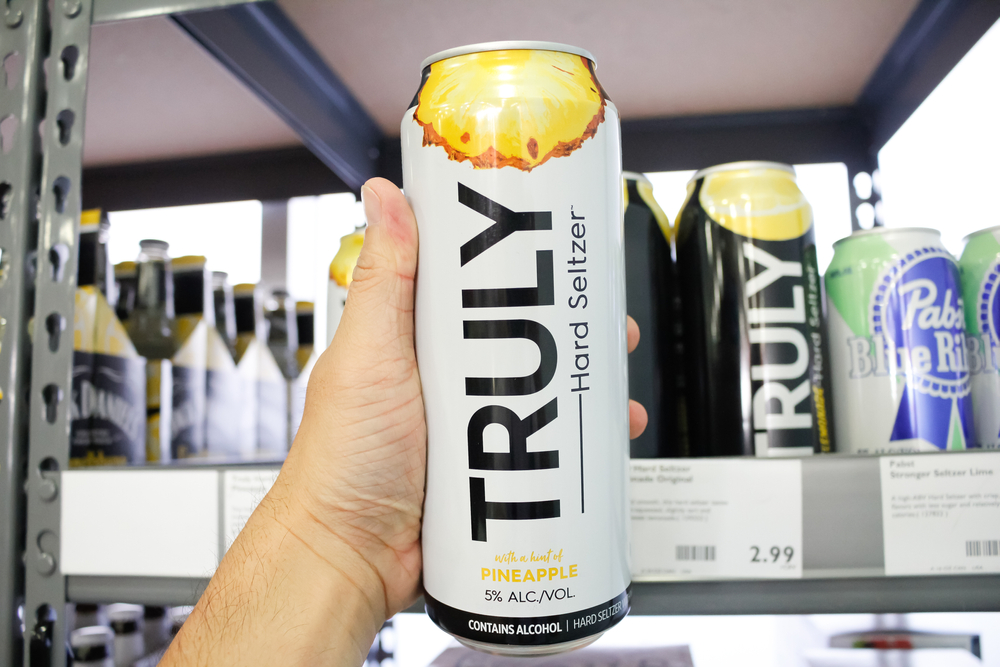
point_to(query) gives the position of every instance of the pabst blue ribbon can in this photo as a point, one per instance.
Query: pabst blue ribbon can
(898, 344)
(979, 267)
(512, 164)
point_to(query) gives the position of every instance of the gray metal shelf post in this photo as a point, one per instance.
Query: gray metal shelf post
(21, 55)
(52, 357)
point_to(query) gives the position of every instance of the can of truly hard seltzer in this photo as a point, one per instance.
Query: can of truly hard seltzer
(754, 352)
(979, 267)
(897, 344)
(512, 164)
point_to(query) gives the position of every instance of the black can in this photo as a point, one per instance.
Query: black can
(754, 350)
(650, 296)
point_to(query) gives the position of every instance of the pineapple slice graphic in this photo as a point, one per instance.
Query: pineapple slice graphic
(516, 108)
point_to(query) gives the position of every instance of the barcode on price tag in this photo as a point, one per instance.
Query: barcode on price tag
(705, 519)
(695, 553)
(982, 548)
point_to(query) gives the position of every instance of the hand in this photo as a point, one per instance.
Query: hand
(334, 548)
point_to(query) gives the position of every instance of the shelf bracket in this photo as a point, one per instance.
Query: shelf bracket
(262, 48)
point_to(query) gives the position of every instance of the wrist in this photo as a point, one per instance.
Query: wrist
(284, 577)
(334, 547)
(375, 530)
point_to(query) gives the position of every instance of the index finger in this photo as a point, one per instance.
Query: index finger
(633, 333)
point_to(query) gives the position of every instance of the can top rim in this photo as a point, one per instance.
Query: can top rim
(121, 611)
(745, 164)
(887, 230)
(968, 237)
(95, 635)
(508, 45)
(635, 176)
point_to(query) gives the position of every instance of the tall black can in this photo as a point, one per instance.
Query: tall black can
(650, 295)
(754, 350)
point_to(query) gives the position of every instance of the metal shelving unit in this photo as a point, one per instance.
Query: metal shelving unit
(40, 202)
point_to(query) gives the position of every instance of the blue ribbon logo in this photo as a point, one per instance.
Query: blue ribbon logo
(916, 305)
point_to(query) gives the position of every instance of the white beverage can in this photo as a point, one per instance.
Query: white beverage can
(979, 268)
(896, 320)
(512, 164)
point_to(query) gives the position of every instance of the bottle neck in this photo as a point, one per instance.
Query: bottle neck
(155, 290)
(94, 264)
(225, 312)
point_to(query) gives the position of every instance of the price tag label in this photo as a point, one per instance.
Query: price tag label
(941, 513)
(242, 492)
(704, 518)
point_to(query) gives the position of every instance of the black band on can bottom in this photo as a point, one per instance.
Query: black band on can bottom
(529, 630)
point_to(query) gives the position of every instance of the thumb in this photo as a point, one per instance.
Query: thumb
(379, 309)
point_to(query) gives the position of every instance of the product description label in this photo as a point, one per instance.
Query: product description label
(697, 519)
(242, 492)
(941, 513)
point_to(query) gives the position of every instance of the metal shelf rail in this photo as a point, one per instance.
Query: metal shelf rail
(164, 547)
(40, 202)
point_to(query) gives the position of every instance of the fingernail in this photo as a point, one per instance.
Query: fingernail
(372, 205)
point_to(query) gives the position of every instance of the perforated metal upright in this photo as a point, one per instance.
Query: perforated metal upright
(24, 23)
(52, 355)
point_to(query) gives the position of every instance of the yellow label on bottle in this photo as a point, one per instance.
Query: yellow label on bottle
(84, 317)
(97, 459)
(342, 266)
(110, 336)
(153, 435)
(302, 355)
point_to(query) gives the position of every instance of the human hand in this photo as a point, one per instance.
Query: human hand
(345, 513)
(360, 454)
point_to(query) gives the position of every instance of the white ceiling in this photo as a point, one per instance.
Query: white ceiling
(154, 94)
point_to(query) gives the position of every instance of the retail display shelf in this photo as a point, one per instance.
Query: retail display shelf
(165, 545)
(801, 596)
(811, 596)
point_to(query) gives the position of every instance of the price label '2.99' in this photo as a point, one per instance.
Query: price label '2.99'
(698, 518)
(776, 554)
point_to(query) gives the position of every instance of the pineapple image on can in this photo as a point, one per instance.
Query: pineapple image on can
(556, 105)
(512, 164)
(979, 267)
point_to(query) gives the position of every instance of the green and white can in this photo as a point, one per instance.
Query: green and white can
(980, 271)
(896, 322)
